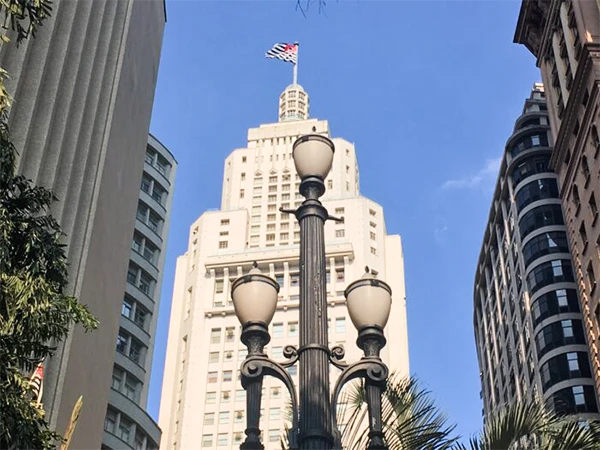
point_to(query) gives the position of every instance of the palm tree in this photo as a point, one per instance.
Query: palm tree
(411, 420)
(533, 426)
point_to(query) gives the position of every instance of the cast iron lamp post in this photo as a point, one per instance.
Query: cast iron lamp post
(369, 302)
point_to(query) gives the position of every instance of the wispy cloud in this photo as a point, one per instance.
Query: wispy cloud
(485, 176)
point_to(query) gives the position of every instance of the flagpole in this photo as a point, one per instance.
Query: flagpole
(295, 72)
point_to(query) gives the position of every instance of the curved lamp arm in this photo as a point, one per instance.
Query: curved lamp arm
(253, 369)
(374, 372)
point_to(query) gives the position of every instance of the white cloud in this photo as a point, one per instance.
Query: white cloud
(487, 174)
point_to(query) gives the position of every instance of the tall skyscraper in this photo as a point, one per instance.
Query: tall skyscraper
(528, 322)
(83, 90)
(127, 424)
(564, 36)
(203, 403)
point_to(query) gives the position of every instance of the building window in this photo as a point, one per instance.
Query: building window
(229, 334)
(215, 336)
(372, 213)
(110, 421)
(292, 329)
(124, 429)
(271, 217)
(372, 235)
(583, 235)
(244, 159)
(593, 207)
(222, 440)
(294, 279)
(373, 251)
(212, 377)
(277, 330)
(209, 418)
(227, 375)
(213, 357)
(340, 233)
(340, 325)
(207, 440)
(273, 435)
(284, 236)
(224, 222)
(211, 397)
(223, 417)
(122, 343)
(140, 317)
(329, 184)
(117, 379)
(223, 244)
(241, 193)
(243, 176)
(591, 277)
(575, 198)
(126, 308)
(136, 351)
(239, 417)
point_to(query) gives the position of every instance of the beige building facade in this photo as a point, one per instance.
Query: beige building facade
(203, 403)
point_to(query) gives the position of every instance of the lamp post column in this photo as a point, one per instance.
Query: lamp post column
(315, 410)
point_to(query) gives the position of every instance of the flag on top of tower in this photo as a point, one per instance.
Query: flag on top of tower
(284, 52)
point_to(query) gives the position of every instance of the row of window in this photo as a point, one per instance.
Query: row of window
(153, 189)
(157, 161)
(550, 272)
(574, 400)
(542, 216)
(147, 216)
(135, 312)
(531, 166)
(131, 347)
(144, 247)
(139, 278)
(539, 139)
(558, 334)
(536, 190)
(563, 367)
(554, 302)
(126, 384)
(545, 244)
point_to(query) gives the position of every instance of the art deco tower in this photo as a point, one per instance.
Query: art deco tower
(202, 398)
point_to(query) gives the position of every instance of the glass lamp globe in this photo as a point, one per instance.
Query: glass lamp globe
(254, 297)
(313, 156)
(369, 301)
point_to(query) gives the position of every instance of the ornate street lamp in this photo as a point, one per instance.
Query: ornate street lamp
(369, 303)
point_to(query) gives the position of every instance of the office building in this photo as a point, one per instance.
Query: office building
(203, 403)
(127, 424)
(83, 90)
(564, 36)
(528, 321)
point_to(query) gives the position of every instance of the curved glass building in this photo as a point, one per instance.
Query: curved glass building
(527, 317)
(127, 424)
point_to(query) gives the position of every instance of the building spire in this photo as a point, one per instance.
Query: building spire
(293, 104)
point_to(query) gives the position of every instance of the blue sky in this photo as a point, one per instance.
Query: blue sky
(428, 91)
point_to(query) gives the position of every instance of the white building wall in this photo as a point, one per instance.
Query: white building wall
(201, 382)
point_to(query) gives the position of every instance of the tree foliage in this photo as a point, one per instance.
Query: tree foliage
(35, 313)
(532, 426)
(411, 421)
